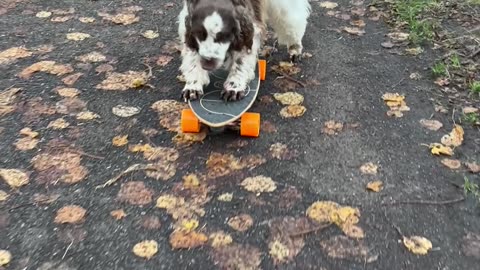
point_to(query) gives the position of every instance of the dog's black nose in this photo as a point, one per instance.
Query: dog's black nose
(208, 63)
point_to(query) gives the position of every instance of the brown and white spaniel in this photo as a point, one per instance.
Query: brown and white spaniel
(228, 34)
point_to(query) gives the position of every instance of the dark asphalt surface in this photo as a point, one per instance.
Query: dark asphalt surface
(353, 73)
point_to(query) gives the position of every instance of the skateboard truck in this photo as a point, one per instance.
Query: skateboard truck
(248, 123)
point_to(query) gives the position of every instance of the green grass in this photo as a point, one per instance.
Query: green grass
(411, 11)
(439, 69)
(471, 188)
(474, 2)
(471, 118)
(455, 61)
(475, 86)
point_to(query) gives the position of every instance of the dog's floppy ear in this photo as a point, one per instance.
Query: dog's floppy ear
(243, 30)
(189, 38)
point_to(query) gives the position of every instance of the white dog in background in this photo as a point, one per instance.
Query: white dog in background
(229, 34)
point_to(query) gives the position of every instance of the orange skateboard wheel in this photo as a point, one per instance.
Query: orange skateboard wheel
(189, 122)
(250, 125)
(262, 69)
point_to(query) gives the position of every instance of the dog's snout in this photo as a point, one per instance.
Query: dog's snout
(208, 63)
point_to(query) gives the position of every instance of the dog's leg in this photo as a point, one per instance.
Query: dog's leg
(195, 76)
(289, 21)
(242, 70)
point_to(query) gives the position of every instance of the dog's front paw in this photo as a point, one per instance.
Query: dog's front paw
(192, 91)
(295, 52)
(233, 90)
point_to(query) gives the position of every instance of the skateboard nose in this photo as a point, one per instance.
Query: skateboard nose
(208, 63)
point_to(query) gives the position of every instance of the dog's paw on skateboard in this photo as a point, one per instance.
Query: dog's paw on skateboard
(191, 93)
(232, 91)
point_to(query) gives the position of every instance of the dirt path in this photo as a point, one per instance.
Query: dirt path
(199, 193)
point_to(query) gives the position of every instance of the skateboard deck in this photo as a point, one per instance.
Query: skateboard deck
(211, 110)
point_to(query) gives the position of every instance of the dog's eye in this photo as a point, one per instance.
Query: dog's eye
(223, 37)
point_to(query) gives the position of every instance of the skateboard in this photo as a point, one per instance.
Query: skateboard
(217, 114)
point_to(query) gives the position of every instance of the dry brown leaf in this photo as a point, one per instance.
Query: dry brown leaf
(169, 202)
(220, 239)
(431, 124)
(163, 60)
(125, 111)
(471, 245)
(345, 216)
(146, 249)
(417, 244)
(398, 36)
(162, 170)
(77, 36)
(60, 19)
(440, 149)
(321, 211)
(121, 18)
(353, 231)
(187, 139)
(354, 30)
(7, 98)
(151, 223)
(67, 92)
(5, 257)
(60, 123)
(332, 128)
(61, 166)
(3, 196)
(87, 115)
(43, 14)
(120, 140)
(369, 168)
(26, 143)
(123, 81)
(466, 110)
(225, 197)
(92, 57)
(414, 51)
(286, 68)
(9, 56)
(86, 19)
(104, 68)
(191, 181)
(187, 240)
(236, 257)
(14, 178)
(375, 186)
(166, 106)
(358, 23)
(280, 151)
(241, 222)
(473, 167)
(72, 214)
(453, 164)
(293, 111)
(328, 4)
(259, 184)
(455, 138)
(135, 192)
(50, 67)
(341, 247)
(150, 34)
(278, 251)
(289, 98)
(118, 214)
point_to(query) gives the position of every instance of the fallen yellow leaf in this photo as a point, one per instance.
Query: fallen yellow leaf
(289, 98)
(14, 178)
(146, 249)
(189, 225)
(417, 244)
(220, 239)
(181, 239)
(369, 168)
(225, 197)
(169, 201)
(3, 196)
(10, 55)
(150, 34)
(375, 186)
(191, 181)
(453, 164)
(455, 138)
(68, 92)
(86, 19)
(77, 36)
(120, 140)
(345, 216)
(440, 149)
(259, 184)
(321, 211)
(87, 115)
(43, 14)
(293, 111)
(5, 257)
(118, 214)
(353, 231)
(60, 123)
(72, 214)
